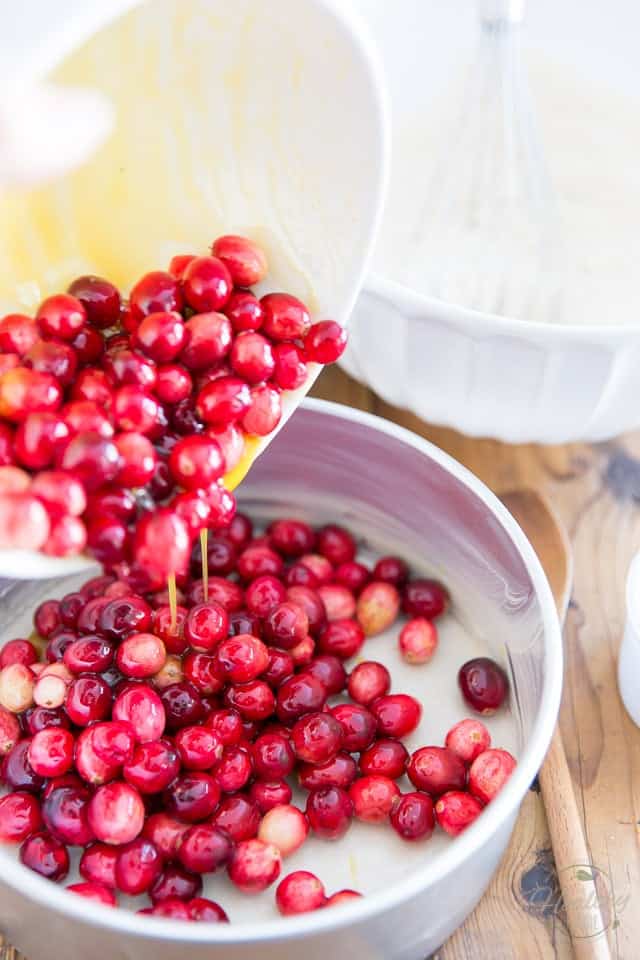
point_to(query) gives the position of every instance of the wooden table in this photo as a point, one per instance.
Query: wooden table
(596, 492)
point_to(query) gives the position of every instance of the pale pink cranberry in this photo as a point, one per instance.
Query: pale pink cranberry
(94, 891)
(418, 640)
(61, 316)
(342, 897)
(456, 810)
(336, 544)
(170, 672)
(300, 892)
(238, 817)
(468, 739)
(143, 709)
(269, 794)
(325, 342)
(67, 537)
(18, 333)
(483, 684)
(285, 827)
(60, 492)
(244, 259)
(339, 602)
(153, 766)
(330, 671)
(293, 538)
(291, 367)
(8, 361)
(141, 655)
(49, 692)
(254, 865)
(155, 291)
(24, 522)
(368, 681)
(116, 813)
(377, 607)
(373, 798)
(19, 817)
(98, 864)
(329, 812)
(18, 651)
(386, 758)
(342, 638)
(397, 714)
(45, 855)
(192, 797)
(285, 317)
(412, 816)
(204, 849)
(206, 625)
(14, 480)
(425, 598)
(165, 833)
(16, 687)
(265, 411)
(162, 545)
(51, 752)
(9, 731)
(489, 772)
(65, 811)
(340, 772)
(206, 283)
(436, 770)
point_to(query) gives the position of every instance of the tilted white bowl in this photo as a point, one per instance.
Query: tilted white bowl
(396, 491)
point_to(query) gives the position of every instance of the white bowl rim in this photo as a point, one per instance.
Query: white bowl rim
(462, 848)
(492, 324)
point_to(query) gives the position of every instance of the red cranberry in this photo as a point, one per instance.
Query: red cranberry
(18, 333)
(397, 714)
(425, 598)
(116, 813)
(89, 653)
(240, 531)
(199, 748)
(303, 652)
(358, 726)
(23, 392)
(299, 892)
(329, 811)
(244, 259)
(291, 368)
(341, 638)
(227, 724)
(338, 772)
(100, 300)
(108, 540)
(330, 671)
(254, 866)
(112, 501)
(98, 864)
(244, 311)
(51, 752)
(19, 817)
(221, 559)
(336, 544)
(468, 739)
(18, 651)
(352, 575)
(170, 634)
(267, 795)
(165, 833)
(204, 849)
(207, 284)
(281, 667)
(6, 446)
(253, 700)
(300, 575)
(179, 264)
(263, 595)
(325, 342)
(206, 625)
(484, 685)
(153, 767)
(202, 910)
(10, 730)
(391, 570)
(175, 883)
(192, 797)
(58, 643)
(386, 758)
(135, 410)
(171, 907)
(316, 737)
(368, 681)
(489, 772)
(223, 592)
(162, 545)
(285, 317)
(242, 658)
(287, 624)
(94, 891)
(234, 770)
(184, 418)
(144, 710)
(293, 538)
(61, 316)
(342, 896)
(456, 810)
(265, 412)
(88, 700)
(312, 605)
(173, 384)
(436, 770)
(93, 459)
(182, 704)
(299, 695)
(138, 865)
(65, 814)
(45, 855)
(209, 340)
(154, 292)
(17, 772)
(273, 757)
(418, 640)
(202, 671)
(58, 359)
(412, 816)
(252, 357)
(41, 718)
(161, 336)
(196, 462)
(89, 616)
(373, 798)
(92, 384)
(137, 459)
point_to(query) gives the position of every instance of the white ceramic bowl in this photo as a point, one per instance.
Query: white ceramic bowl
(487, 375)
(395, 490)
(629, 660)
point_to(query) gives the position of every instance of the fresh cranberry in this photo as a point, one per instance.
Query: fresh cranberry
(108, 540)
(300, 575)
(138, 866)
(484, 685)
(468, 739)
(102, 749)
(425, 598)
(336, 544)
(352, 575)
(263, 595)
(24, 391)
(253, 700)
(171, 634)
(162, 546)
(436, 770)
(299, 695)
(273, 757)
(291, 368)
(300, 892)
(88, 700)
(221, 559)
(192, 797)
(45, 855)
(342, 638)
(418, 640)
(412, 816)
(65, 812)
(204, 849)
(254, 865)
(18, 333)
(340, 772)
(373, 797)
(234, 770)
(285, 317)
(112, 501)
(456, 810)
(58, 643)
(265, 411)
(42, 718)
(93, 459)
(61, 316)
(280, 668)
(330, 671)
(135, 410)
(98, 864)
(386, 758)
(210, 336)
(224, 401)
(252, 357)
(144, 710)
(342, 896)
(51, 752)
(199, 748)
(489, 772)
(397, 714)
(175, 883)
(19, 817)
(285, 827)
(287, 624)
(206, 625)
(171, 907)
(99, 298)
(325, 342)
(179, 264)
(267, 795)
(116, 813)
(10, 729)
(207, 284)
(358, 726)
(240, 531)
(17, 772)
(154, 292)
(244, 259)
(378, 607)
(339, 602)
(141, 655)
(244, 310)
(54, 357)
(196, 462)
(368, 681)
(202, 910)
(202, 671)
(316, 737)
(173, 384)
(182, 704)
(153, 766)
(88, 653)
(18, 651)
(329, 811)
(312, 605)
(94, 891)
(227, 724)
(92, 384)
(24, 522)
(7, 444)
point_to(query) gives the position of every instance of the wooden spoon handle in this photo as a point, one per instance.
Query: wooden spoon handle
(575, 874)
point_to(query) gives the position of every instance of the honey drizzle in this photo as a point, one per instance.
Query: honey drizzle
(205, 563)
(173, 601)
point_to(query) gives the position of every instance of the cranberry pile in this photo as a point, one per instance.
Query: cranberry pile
(119, 419)
(168, 747)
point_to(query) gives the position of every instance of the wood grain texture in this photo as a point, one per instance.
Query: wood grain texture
(595, 491)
